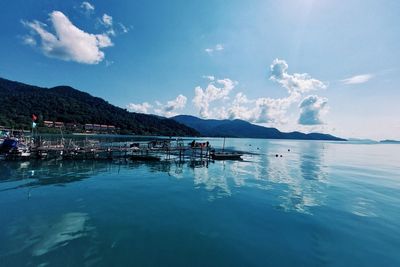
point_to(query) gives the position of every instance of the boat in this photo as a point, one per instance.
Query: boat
(13, 148)
(226, 155)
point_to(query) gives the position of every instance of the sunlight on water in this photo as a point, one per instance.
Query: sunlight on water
(71, 226)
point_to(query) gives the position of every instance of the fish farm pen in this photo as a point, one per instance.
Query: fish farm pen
(80, 149)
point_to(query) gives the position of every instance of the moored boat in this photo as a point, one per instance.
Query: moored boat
(12, 148)
(226, 155)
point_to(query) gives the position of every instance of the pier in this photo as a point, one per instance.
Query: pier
(71, 149)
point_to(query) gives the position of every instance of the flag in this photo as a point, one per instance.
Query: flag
(34, 117)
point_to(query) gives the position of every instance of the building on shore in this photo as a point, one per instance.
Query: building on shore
(76, 127)
(49, 124)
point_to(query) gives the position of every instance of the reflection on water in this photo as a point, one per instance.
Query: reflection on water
(312, 161)
(41, 236)
(299, 174)
(69, 227)
(305, 184)
(215, 184)
(310, 202)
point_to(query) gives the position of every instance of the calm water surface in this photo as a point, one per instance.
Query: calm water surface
(320, 204)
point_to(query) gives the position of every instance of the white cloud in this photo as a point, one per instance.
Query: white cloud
(358, 79)
(29, 40)
(107, 20)
(68, 42)
(178, 103)
(140, 108)
(87, 7)
(124, 28)
(263, 109)
(311, 109)
(260, 110)
(296, 82)
(217, 47)
(215, 101)
(170, 109)
(214, 91)
(240, 98)
(113, 28)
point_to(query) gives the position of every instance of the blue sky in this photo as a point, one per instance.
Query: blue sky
(328, 66)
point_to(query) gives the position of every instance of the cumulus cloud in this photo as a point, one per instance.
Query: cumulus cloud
(260, 110)
(217, 47)
(68, 42)
(358, 79)
(178, 103)
(311, 109)
(170, 109)
(87, 7)
(296, 82)
(215, 101)
(140, 108)
(263, 109)
(215, 90)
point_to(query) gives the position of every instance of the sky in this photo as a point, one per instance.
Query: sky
(307, 65)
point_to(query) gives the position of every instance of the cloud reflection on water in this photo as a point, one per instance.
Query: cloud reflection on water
(298, 175)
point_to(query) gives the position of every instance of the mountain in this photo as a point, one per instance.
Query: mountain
(63, 103)
(388, 141)
(244, 129)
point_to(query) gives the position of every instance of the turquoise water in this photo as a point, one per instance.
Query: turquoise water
(320, 204)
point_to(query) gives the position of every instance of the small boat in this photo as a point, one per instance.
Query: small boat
(226, 155)
(12, 148)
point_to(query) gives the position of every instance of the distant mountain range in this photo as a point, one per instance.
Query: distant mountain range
(244, 129)
(19, 101)
(389, 141)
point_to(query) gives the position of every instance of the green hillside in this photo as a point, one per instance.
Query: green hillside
(63, 103)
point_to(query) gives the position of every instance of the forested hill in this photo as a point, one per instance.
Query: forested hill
(19, 101)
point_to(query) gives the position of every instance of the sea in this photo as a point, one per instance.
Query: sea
(287, 203)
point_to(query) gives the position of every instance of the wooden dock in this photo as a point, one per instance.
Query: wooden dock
(68, 149)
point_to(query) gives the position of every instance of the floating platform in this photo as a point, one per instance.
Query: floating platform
(70, 149)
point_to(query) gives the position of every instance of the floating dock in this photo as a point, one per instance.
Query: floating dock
(69, 149)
